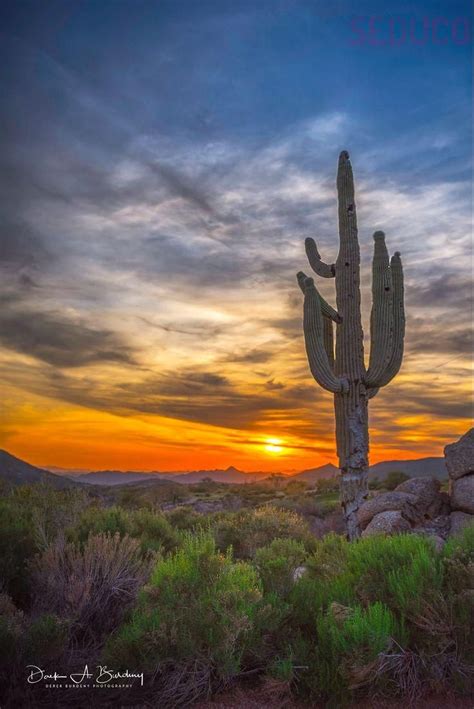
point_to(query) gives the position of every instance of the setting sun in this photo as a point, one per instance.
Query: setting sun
(273, 445)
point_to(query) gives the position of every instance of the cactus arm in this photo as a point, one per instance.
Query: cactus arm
(314, 338)
(322, 269)
(326, 309)
(349, 336)
(395, 361)
(372, 392)
(381, 317)
(328, 337)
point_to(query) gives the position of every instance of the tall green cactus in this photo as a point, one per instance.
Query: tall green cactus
(344, 373)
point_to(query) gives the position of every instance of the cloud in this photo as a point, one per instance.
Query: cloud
(190, 246)
(59, 340)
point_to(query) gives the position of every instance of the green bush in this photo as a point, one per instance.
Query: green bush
(17, 544)
(100, 520)
(184, 518)
(195, 617)
(249, 530)
(45, 639)
(397, 570)
(151, 528)
(276, 564)
(358, 600)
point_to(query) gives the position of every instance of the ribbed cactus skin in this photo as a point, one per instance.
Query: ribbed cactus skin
(344, 373)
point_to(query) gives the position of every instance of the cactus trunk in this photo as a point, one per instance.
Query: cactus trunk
(345, 374)
(352, 435)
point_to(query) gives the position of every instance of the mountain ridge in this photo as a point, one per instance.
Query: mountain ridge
(15, 471)
(10, 468)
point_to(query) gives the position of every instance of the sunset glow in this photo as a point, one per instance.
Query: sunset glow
(156, 203)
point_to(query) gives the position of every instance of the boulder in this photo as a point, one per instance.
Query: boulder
(462, 494)
(438, 542)
(390, 522)
(459, 521)
(403, 502)
(426, 491)
(299, 572)
(460, 456)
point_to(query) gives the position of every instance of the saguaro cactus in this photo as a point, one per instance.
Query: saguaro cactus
(344, 372)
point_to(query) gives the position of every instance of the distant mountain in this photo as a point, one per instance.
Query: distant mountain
(324, 472)
(117, 477)
(419, 468)
(16, 472)
(229, 475)
(13, 469)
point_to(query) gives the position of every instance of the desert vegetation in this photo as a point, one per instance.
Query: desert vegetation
(250, 592)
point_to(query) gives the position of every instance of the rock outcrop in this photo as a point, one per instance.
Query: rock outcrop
(459, 521)
(418, 505)
(460, 456)
(462, 494)
(390, 522)
(396, 501)
(460, 465)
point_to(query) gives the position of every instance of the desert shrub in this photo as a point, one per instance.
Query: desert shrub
(150, 496)
(30, 518)
(185, 518)
(100, 520)
(50, 511)
(249, 530)
(277, 562)
(296, 487)
(12, 625)
(44, 639)
(25, 640)
(89, 586)
(458, 588)
(17, 544)
(193, 621)
(324, 486)
(372, 614)
(151, 528)
(397, 570)
(348, 641)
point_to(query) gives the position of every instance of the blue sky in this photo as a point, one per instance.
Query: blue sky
(162, 164)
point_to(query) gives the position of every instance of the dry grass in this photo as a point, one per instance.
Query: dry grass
(90, 587)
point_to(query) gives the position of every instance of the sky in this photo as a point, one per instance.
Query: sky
(161, 166)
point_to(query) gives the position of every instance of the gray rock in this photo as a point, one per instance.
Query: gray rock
(390, 522)
(299, 572)
(460, 456)
(462, 494)
(437, 527)
(459, 521)
(426, 491)
(439, 542)
(402, 502)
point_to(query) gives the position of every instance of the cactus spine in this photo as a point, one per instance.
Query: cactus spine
(344, 373)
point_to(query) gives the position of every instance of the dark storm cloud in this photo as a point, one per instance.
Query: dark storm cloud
(450, 291)
(255, 356)
(21, 246)
(58, 340)
(437, 401)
